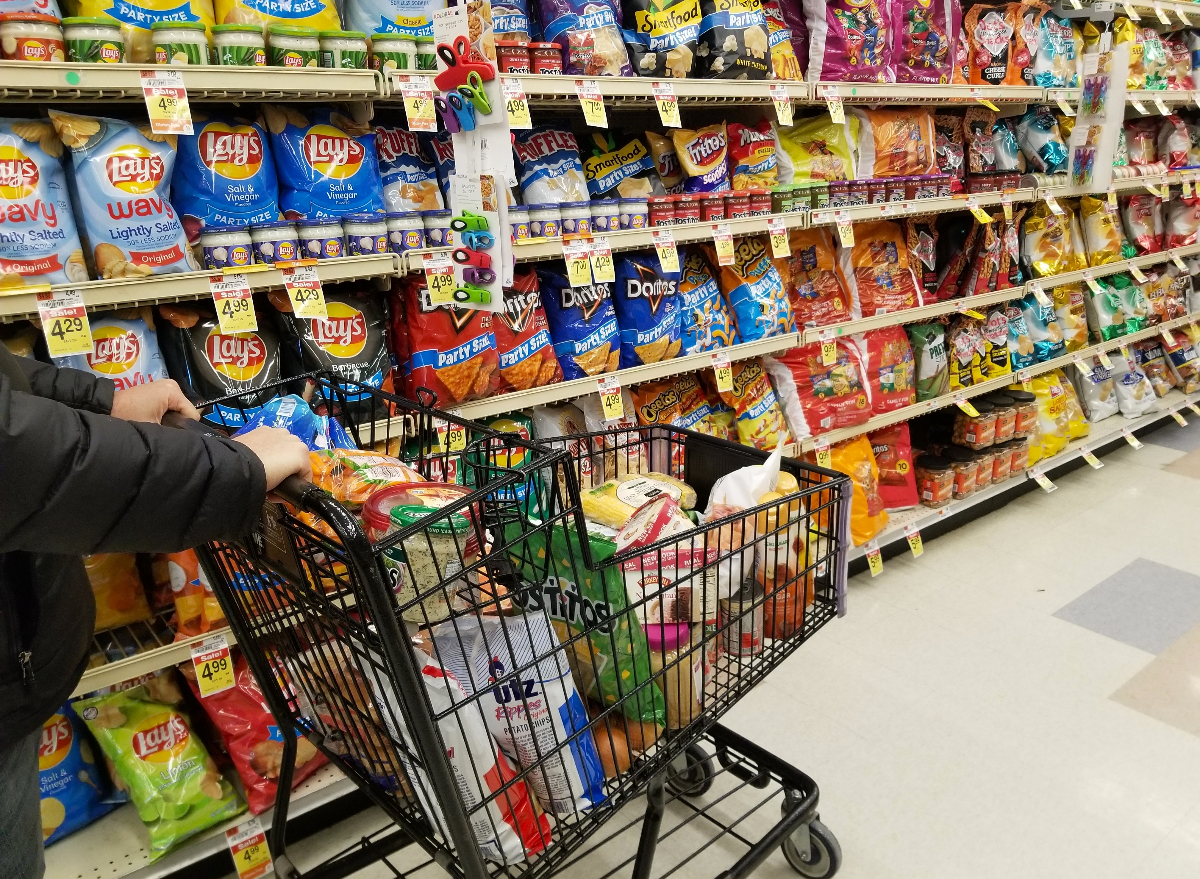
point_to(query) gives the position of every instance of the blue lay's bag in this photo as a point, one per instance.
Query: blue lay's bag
(326, 161)
(122, 184)
(583, 325)
(224, 175)
(39, 243)
(646, 300)
(295, 416)
(754, 290)
(705, 323)
(74, 790)
(548, 166)
(410, 181)
(124, 349)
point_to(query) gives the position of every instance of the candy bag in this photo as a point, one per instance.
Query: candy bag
(817, 149)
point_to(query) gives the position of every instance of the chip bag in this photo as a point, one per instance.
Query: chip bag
(328, 164)
(548, 166)
(930, 368)
(1046, 245)
(74, 790)
(998, 52)
(646, 301)
(171, 779)
(759, 419)
(1104, 310)
(1095, 390)
(662, 39)
(583, 325)
(895, 143)
(523, 341)
(1044, 331)
(666, 162)
(868, 513)
(657, 403)
(1070, 315)
(733, 40)
(1142, 217)
(850, 41)
(752, 155)
(753, 289)
(1053, 421)
(950, 147)
(453, 350)
(965, 350)
(1077, 423)
(817, 149)
(410, 180)
(696, 413)
(1135, 395)
(876, 270)
(705, 322)
(252, 736)
(921, 237)
(785, 63)
(590, 36)
(197, 610)
(924, 34)
(626, 171)
(809, 274)
(888, 368)
(351, 476)
(1101, 231)
(817, 398)
(124, 349)
(997, 360)
(892, 447)
(1134, 306)
(1183, 221)
(1042, 144)
(702, 155)
(117, 588)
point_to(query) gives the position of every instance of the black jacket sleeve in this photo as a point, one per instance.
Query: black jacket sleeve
(74, 387)
(73, 481)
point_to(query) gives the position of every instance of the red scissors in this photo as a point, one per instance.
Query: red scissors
(461, 61)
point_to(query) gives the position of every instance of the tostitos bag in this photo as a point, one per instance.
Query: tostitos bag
(122, 184)
(523, 337)
(452, 350)
(328, 165)
(40, 243)
(850, 41)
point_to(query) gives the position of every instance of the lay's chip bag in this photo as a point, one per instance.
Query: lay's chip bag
(583, 325)
(224, 175)
(39, 242)
(410, 181)
(327, 163)
(705, 323)
(137, 16)
(124, 349)
(407, 17)
(320, 14)
(122, 183)
(754, 290)
(646, 300)
(74, 791)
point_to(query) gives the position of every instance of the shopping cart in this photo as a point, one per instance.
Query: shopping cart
(559, 711)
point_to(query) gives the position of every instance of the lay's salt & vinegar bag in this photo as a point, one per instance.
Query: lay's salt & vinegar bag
(124, 349)
(74, 791)
(39, 242)
(327, 163)
(224, 175)
(137, 16)
(122, 183)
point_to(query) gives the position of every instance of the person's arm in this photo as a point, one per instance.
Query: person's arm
(76, 482)
(74, 387)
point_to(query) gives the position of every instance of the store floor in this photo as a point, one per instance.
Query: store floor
(1023, 700)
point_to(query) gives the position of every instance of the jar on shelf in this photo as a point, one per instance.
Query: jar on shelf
(292, 46)
(606, 215)
(239, 45)
(365, 234)
(671, 666)
(1020, 456)
(518, 222)
(859, 193)
(320, 239)
(437, 228)
(575, 217)
(935, 480)
(687, 209)
(737, 205)
(1006, 416)
(93, 40)
(877, 191)
(1027, 414)
(544, 221)
(897, 188)
(1002, 463)
(760, 201)
(393, 52)
(179, 42)
(661, 210)
(839, 194)
(225, 247)
(712, 207)
(633, 213)
(512, 56)
(275, 242)
(976, 431)
(546, 58)
(405, 231)
(343, 50)
(31, 36)
(985, 461)
(426, 57)
(965, 467)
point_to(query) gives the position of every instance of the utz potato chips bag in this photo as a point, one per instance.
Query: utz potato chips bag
(810, 276)
(124, 350)
(849, 41)
(876, 270)
(137, 16)
(224, 175)
(523, 340)
(702, 155)
(320, 14)
(583, 325)
(646, 301)
(754, 290)
(122, 183)
(548, 166)
(759, 419)
(752, 161)
(452, 350)
(1044, 331)
(39, 243)
(705, 323)
(175, 785)
(410, 181)
(328, 165)
(817, 149)
(74, 790)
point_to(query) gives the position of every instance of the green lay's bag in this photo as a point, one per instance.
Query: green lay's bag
(172, 780)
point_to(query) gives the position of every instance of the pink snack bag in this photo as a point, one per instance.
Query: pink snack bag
(924, 36)
(849, 41)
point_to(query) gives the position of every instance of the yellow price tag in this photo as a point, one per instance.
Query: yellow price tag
(1125, 353)
(1186, 187)
(723, 372)
(234, 302)
(579, 265)
(977, 212)
(1094, 462)
(723, 243)
(977, 94)
(913, 534)
(1162, 15)
(1112, 199)
(824, 456)
(1180, 419)
(780, 247)
(1194, 408)
(1091, 281)
(515, 104)
(417, 92)
(439, 278)
(783, 105)
(828, 351)
(874, 559)
(1138, 274)
(970, 312)
(602, 262)
(845, 228)
(456, 438)
(1167, 337)
(214, 668)
(592, 102)
(668, 104)
(248, 844)
(65, 322)
(1130, 12)
(664, 244)
(610, 398)
(1131, 439)
(1178, 260)
(304, 289)
(967, 408)
(1006, 205)
(1052, 203)
(166, 101)
(1104, 359)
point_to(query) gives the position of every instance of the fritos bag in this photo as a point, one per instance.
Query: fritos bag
(876, 270)
(523, 341)
(892, 447)
(453, 350)
(752, 161)
(705, 322)
(895, 143)
(817, 398)
(583, 325)
(809, 274)
(759, 420)
(754, 290)
(888, 368)
(702, 155)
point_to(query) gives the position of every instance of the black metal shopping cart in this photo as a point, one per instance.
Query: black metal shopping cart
(483, 663)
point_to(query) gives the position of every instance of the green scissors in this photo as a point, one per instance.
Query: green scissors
(474, 92)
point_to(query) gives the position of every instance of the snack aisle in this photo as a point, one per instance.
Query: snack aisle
(801, 211)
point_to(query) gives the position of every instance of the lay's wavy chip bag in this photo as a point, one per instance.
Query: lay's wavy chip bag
(327, 163)
(646, 300)
(137, 16)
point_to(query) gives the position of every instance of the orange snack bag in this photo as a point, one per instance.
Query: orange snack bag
(895, 143)
(120, 598)
(353, 475)
(197, 610)
(876, 270)
(856, 459)
(811, 279)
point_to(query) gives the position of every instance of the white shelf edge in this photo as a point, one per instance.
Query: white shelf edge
(917, 207)
(894, 92)
(143, 663)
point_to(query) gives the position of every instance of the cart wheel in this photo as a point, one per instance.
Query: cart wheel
(690, 774)
(824, 853)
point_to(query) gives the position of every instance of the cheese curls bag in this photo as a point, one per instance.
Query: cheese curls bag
(752, 161)
(850, 41)
(759, 419)
(994, 54)
(810, 275)
(817, 398)
(197, 610)
(817, 148)
(924, 33)
(895, 143)
(657, 403)
(876, 270)
(785, 63)
(1101, 231)
(705, 322)
(703, 156)
(754, 290)
(696, 412)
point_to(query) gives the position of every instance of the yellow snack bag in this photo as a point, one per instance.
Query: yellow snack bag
(1125, 31)
(817, 149)
(1053, 421)
(1071, 314)
(1046, 243)
(136, 17)
(1077, 423)
(856, 459)
(117, 588)
(1101, 232)
(321, 14)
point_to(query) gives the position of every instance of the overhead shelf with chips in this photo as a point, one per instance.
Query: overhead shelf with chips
(62, 81)
(913, 93)
(915, 207)
(16, 302)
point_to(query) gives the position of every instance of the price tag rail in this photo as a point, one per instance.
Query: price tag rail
(901, 93)
(549, 90)
(15, 303)
(46, 81)
(920, 207)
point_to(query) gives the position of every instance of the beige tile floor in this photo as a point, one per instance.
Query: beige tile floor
(958, 729)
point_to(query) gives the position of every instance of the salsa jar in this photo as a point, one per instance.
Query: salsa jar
(662, 210)
(712, 207)
(546, 58)
(935, 480)
(760, 202)
(687, 209)
(512, 56)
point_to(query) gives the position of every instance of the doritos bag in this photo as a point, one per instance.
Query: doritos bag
(452, 350)
(252, 736)
(810, 276)
(124, 349)
(410, 180)
(328, 165)
(754, 290)
(74, 790)
(752, 161)
(759, 420)
(705, 323)
(583, 325)
(817, 398)
(888, 368)
(876, 270)
(894, 458)
(646, 301)
(523, 340)
(702, 155)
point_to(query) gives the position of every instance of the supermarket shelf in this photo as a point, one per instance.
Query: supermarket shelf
(941, 402)
(38, 80)
(15, 304)
(1123, 185)
(1102, 432)
(563, 391)
(149, 650)
(622, 90)
(902, 93)
(1114, 268)
(917, 207)
(117, 847)
(1147, 97)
